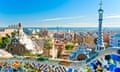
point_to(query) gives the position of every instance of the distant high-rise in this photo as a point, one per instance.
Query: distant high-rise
(100, 43)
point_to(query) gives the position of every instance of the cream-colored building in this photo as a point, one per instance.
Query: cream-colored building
(89, 39)
(6, 31)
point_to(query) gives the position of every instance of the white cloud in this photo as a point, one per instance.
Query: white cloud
(62, 18)
(83, 24)
(111, 24)
(106, 23)
(112, 17)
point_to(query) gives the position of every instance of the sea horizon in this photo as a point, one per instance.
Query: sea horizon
(70, 28)
(74, 28)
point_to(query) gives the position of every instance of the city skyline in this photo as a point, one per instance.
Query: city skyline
(62, 13)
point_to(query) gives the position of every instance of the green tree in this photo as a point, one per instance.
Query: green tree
(14, 33)
(7, 35)
(69, 46)
(1, 42)
(95, 40)
(4, 41)
(29, 54)
(59, 53)
(48, 45)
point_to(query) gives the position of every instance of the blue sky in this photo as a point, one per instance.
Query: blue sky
(62, 13)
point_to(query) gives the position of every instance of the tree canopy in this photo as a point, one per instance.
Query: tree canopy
(14, 33)
(95, 40)
(69, 46)
(4, 41)
(48, 43)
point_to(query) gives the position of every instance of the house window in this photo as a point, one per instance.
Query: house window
(10, 49)
(21, 49)
(14, 44)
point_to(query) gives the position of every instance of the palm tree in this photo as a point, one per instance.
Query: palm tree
(48, 45)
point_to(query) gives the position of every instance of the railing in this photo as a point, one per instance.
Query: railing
(56, 61)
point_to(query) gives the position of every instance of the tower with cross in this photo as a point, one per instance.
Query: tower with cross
(100, 43)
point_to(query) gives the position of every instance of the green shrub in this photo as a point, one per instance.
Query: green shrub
(69, 46)
(41, 58)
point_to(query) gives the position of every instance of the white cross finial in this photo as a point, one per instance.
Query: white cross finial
(101, 3)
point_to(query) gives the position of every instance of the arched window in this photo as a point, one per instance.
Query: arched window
(14, 43)
(10, 49)
(21, 49)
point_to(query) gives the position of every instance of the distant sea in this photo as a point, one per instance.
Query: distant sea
(70, 28)
(74, 28)
(28, 30)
